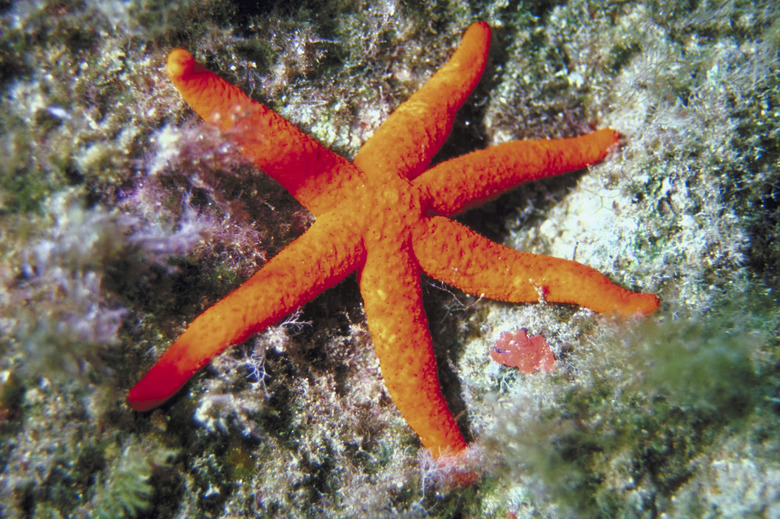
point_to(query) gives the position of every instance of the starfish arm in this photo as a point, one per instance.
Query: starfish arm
(407, 141)
(470, 179)
(454, 254)
(317, 260)
(308, 170)
(392, 298)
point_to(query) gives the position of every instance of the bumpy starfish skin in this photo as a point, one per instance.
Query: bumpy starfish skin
(385, 215)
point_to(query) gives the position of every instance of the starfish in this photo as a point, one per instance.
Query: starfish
(386, 216)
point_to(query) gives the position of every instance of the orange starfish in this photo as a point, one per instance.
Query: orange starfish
(385, 215)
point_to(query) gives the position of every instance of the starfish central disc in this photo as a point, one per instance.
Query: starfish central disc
(390, 211)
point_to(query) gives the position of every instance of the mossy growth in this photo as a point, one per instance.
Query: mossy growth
(623, 438)
(23, 190)
(126, 488)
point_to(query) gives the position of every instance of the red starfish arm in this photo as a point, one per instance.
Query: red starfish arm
(390, 285)
(454, 254)
(407, 141)
(312, 173)
(317, 260)
(470, 179)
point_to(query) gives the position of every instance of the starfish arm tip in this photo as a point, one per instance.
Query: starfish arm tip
(180, 63)
(140, 400)
(157, 386)
(481, 26)
(610, 139)
(644, 304)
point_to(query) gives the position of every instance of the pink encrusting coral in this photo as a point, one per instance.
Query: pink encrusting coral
(528, 354)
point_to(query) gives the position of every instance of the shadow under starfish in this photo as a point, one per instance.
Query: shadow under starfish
(386, 215)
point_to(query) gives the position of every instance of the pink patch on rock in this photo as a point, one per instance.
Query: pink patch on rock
(528, 354)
